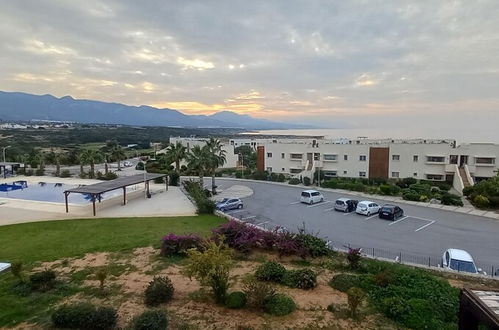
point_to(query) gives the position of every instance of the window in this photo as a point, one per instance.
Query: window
(395, 174)
(345, 157)
(283, 169)
(330, 174)
(362, 174)
(485, 160)
(269, 169)
(415, 158)
(396, 157)
(434, 177)
(295, 170)
(296, 156)
(362, 158)
(269, 154)
(435, 159)
(330, 157)
(316, 193)
(282, 155)
(453, 159)
(415, 174)
(345, 172)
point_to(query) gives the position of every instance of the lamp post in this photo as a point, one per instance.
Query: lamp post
(242, 165)
(4, 162)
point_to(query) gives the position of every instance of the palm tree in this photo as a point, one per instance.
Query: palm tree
(197, 160)
(176, 153)
(57, 158)
(91, 156)
(216, 158)
(118, 153)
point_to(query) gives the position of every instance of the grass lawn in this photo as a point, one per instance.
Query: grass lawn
(52, 240)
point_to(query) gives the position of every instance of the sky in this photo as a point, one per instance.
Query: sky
(329, 63)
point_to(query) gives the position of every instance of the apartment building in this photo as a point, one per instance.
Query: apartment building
(428, 159)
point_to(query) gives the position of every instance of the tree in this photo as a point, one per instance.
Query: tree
(119, 154)
(248, 155)
(197, 161)
(216, 158)
(91, 156)
(176, 153)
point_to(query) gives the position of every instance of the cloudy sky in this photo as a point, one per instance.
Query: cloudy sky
(352, 63)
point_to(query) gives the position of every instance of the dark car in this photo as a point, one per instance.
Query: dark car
(391, 212)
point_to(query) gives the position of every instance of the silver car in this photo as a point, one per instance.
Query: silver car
(229, 204)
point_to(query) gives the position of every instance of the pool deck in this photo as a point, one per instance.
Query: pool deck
(162, 203)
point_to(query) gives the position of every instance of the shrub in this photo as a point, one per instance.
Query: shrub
(314, 246)
(16, 268)
(239, 235)
(173, 179)
(139, 166)
(343, 282)
(389, 190)
(270, 271)
(281, 178)
(353, 258)
(467, 191)
(451, 199)
(173, 244)
(421, 188)
(411, 195)
(355, 298)
(286, 243)
(258, 293)
(40, 171)
(235, 300)
(211, 268)
(301, 279)
(160, 290)
(494, 201)
(65, 174)
(84, 316)
(280, 304)
(151, 320)
(205, 206)
(306, 181)
(42, 281)
(481, 201)
(384, 278)
(101, 276)
(294, 181)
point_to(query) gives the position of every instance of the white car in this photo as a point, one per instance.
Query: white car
(459, 260)
(127, 164)
(367, 208)
(311, 197)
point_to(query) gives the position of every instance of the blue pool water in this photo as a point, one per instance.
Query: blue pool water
(47, 192)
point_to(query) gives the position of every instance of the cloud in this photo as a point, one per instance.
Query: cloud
(318, 61)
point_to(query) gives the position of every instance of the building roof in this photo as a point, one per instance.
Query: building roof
(489, 299)
(102, 187)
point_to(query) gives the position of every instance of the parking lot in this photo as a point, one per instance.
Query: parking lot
(421, 231)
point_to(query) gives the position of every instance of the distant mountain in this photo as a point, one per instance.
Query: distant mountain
(16, 106)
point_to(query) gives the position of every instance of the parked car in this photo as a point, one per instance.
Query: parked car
(367, 208)
(229, 204)
(460, 261)
(127, 164)
(345, 205)
(390, 212)
(311, 197)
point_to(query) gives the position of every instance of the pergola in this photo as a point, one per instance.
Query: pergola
(95, 190)
(4, 165)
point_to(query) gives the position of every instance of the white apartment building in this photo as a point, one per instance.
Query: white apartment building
(428, 159)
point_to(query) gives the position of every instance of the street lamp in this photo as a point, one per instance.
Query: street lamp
(4, 162)
(242, 165)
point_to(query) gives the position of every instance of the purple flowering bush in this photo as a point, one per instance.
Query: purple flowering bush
(173, 244)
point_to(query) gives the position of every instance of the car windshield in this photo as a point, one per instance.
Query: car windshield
(339, 202)
(362, 206)
(386, 209)
(224, 200)
(462, 266)
(305, 194)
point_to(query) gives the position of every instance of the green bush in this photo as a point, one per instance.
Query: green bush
(300, 278)
(389, 190)
(411, 195)
(306, 181)
(42, 281)
(294, 181)
(343, 282)
(421, 188)
(270, 271)
(235, 300)
(173, 179)
(281, 178)
(205, 206)
(40, 172)
(355, 298)
(314, 246)
(481, 201)
(160, 290)
(451, 199)
(84, 316)
(280, 304)
(65, 174)
(467, 191)
(151, 320)
(258, 293)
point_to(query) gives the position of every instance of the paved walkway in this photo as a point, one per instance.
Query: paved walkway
(235, 191)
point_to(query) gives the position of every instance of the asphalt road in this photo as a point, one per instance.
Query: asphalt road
(425, 232)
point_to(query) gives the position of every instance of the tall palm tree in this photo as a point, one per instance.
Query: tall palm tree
(58, 157)
(197, 160)
(119, 154)
(91, 156)
(216, 158)
(176, 153)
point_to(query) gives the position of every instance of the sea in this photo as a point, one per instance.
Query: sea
(460, 135)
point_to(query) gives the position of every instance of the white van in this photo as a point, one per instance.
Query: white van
(311, 197)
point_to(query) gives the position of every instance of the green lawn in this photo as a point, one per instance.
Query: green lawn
(52, 240)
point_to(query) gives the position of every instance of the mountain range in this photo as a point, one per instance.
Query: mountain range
(17, 106)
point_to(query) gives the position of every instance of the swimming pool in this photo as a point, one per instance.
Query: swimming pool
(49, 192)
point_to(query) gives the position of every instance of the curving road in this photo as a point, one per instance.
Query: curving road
(425, 232)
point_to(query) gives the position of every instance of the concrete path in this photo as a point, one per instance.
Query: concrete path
(235, 191)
